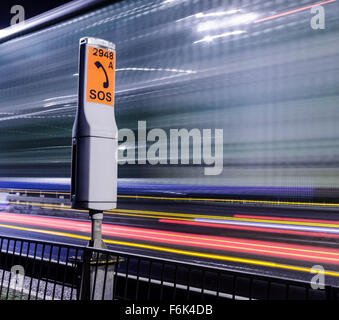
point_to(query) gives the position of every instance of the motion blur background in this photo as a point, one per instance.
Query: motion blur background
(258, 69)
(272, 86)
(32, 9)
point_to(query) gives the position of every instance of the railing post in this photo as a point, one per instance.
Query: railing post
(102, 276)
(101, 268)
(97, 275)
(85, 293)
(329, 293)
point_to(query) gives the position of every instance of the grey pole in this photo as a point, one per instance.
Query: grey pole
(96, 233)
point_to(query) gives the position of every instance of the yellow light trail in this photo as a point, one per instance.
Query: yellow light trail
(237, 201)
(234, 243)
(180, 252)
(181, 216)
(321, 204)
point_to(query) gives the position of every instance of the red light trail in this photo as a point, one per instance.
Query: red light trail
(286, 219)
(255, 229)
(293, 11)
(239, 245)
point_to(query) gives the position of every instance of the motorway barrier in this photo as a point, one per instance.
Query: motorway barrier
(39, 270)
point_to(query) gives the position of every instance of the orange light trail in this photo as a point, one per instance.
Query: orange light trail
(293, 11)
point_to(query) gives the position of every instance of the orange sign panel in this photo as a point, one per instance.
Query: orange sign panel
(100, 76)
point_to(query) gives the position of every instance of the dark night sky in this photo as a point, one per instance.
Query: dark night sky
(32, 8)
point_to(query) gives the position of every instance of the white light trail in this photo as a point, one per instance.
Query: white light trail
(216, 14)
(227, 22)
(223, 35)
(157, 69)
(61, 97)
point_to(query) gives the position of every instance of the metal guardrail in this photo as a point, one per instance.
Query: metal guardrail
(33, 270)
(38, 270)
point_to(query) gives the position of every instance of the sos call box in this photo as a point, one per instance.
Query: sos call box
(100, 75)
(95, 134)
